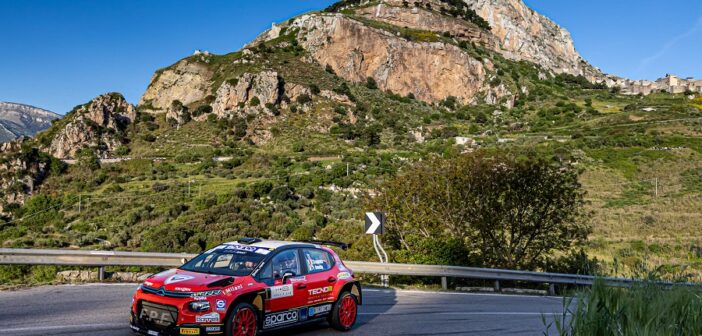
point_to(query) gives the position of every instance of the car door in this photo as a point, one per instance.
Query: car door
(283, 296)
(320, 281)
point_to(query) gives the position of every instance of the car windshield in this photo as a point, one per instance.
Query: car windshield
(235, 260)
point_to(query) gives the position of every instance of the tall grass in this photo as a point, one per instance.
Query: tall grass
(642, 310)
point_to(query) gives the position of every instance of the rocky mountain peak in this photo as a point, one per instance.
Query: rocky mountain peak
(17, 120)
(98, 125)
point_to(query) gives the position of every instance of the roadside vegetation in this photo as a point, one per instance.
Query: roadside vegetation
(646, 309)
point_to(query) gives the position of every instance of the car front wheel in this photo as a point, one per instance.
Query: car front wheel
(243, 321)
(344, 312)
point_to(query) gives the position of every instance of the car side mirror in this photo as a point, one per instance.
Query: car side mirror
(184, 260)
(287, 277)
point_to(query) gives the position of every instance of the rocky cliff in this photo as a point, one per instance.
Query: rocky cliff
(18, 120)
(99, 125)
(186, 81)
(516, 31)
(431, 49)
(527, 35)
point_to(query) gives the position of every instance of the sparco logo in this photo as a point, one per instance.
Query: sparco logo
(273, 320)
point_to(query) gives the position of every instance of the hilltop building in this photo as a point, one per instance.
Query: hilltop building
(669, 83)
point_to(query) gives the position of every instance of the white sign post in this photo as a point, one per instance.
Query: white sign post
(375, 225)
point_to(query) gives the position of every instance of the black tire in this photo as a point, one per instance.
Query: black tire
(335, 319)
(229, 322)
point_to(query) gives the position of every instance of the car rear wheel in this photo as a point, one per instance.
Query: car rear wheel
(344, 312)
(243, 321)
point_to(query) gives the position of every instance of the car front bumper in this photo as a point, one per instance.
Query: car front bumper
(185, 329)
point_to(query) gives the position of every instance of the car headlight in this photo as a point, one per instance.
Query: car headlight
(205, 294)
(199, 306)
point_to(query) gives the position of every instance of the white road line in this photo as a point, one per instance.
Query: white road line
(11, 331)
(412, 291)
(472, 313)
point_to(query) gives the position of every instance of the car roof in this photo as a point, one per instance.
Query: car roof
(272, 244)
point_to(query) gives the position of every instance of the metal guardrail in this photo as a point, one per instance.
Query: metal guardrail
(119, 258)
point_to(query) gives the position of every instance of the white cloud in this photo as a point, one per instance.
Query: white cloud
(670, 44)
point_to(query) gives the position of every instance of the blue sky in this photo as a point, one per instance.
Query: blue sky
(57, 54)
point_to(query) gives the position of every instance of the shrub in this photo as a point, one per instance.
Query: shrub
(314, 89)
(371, 83)
(303, 99)
(255, 101)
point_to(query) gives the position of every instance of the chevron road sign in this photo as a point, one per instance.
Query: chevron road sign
(375, 223)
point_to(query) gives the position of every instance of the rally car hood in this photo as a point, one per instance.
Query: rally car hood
(185, 281)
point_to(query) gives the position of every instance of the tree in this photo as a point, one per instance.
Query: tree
(87, 158)
(507, 210)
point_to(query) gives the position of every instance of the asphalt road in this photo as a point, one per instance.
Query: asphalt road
(103, 310)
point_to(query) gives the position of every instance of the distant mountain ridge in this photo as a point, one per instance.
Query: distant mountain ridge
(18, 120)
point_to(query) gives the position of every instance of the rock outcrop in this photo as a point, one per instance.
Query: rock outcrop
(431, 71)
(249, 91)
(22, 169)
(394, 13)
(98, 125)
(187, 81)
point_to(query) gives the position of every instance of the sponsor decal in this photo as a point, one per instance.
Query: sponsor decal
(263, 251)
(220, 304)
(303, 314)
(213, 329)
(281, 291)
(241, 247)
(278, 319)
(343, 275)
(250, 284)
(232, 289)
(318, 310)
(211, 317)
(149, 283)
(190, 331)
(321, 290)
(153, 333)
(298, 279)
(183, 289)
(178, 278)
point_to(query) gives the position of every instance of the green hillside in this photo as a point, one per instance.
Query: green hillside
(191, 186)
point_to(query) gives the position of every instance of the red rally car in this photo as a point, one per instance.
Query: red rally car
(246, 287)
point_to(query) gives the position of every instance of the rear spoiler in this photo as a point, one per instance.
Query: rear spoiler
(340, 245)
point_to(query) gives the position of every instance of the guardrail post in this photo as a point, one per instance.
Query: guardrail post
(101, 273)
(552, 289)
(444, 283)
(497, 286)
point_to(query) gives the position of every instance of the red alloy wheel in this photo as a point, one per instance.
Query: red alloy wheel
(244, 323)
(347, 311)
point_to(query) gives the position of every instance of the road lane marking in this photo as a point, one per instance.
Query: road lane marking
(411, 291)
(11, 331)
(471, 313)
